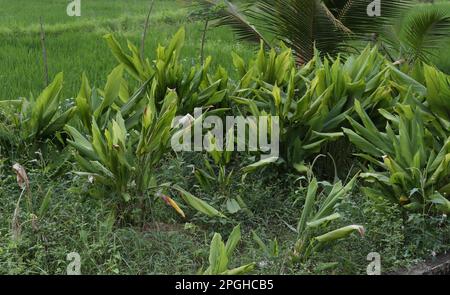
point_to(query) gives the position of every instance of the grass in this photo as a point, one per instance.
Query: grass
(75, 44)
(171, 245)
(167, 245)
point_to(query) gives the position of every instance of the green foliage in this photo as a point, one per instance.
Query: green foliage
(194, 87)
(272, 68)
(103, 105)
(121, 138)
(319, 211)
(312, 102)
(305, 24)
(438, 91)
(220, 255)
(217, 175)
(418, 34)
(80, 40)
(124, 161)
(215, 167)
(138, 129)
(271, 249)
(36, 120)
(106, 157)
(411, 166)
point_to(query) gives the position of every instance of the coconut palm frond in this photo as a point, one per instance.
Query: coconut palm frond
(354, 14)
(228, 14)
(424, 31)
(301, 25)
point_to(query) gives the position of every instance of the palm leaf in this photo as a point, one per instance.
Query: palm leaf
(353, 14)
(306, 24)
(226, 13)
(424, 31)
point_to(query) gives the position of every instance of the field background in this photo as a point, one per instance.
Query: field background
(75, 44)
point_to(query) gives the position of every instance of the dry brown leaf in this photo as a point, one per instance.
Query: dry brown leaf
(22, 177)
(362, 231)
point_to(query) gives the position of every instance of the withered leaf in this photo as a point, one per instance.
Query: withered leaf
(22, 177)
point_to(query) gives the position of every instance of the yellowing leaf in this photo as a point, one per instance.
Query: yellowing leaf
(169, 201)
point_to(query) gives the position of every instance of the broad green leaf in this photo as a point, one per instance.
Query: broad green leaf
(112, 90)
(319, 222)
(198, 204)
(218, 259)
(308, 207)
(233, 240)
(245, 269)
(260, 164)
(340, 233)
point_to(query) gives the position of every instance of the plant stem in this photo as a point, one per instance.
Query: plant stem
(144, 33)
(44, 53)
(202, 52)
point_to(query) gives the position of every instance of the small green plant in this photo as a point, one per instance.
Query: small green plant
(215, 176)
(319, 211)
(270, 249)
(220, 255)
(36, 120)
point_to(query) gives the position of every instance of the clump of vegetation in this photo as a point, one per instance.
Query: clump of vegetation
(220, 254)
(416, 162)
(34, 121)
(318, 214)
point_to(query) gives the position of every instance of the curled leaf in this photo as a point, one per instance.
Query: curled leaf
(341, 233)
(22, 177)
(169, 201)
